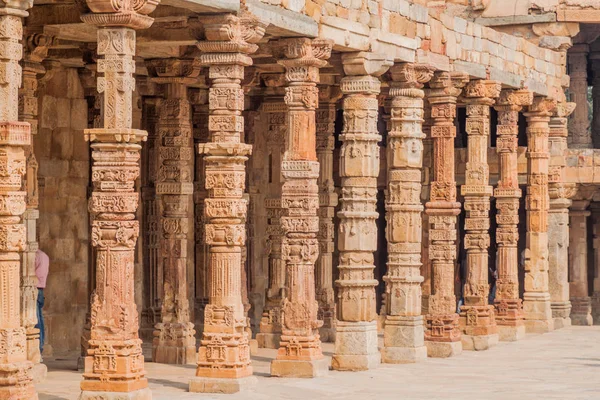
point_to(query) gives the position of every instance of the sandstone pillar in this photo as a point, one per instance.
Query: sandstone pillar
(579, 124)
(477, 320)
(595, 128)
(536, 300)
(403, 328)
(442, 335)
(299, 353)
(558, 217)
(15, 137)
(581, 311)
(356, 326)
(426, 183)
(224, 355)
(328, 200)
(174, 341)
(596, 292)
(509, 307)
(200, 133)
(36, 50)
(114, 361)
(275, 110)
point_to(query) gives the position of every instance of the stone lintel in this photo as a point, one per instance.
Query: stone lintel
(281, 22)
(518, 19)
(346, 35)
(582, 15)
(205, 6)
(474, 70)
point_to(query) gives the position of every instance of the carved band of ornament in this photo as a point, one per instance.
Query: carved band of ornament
(116, 135)
(304, 250)
(441, 131)
(226, 98)
(225, 234)
(396, 175)
(405, 248)
(114, 233)
(13, 237)
(477, 127)
(507, 130)
(411, 75)
(225, 180)
(306, 203)
(443, 111)
(303, 49)
(15, 134)
(300, 169)
(274, 107)
(114, 202)
(477, 224)
(477, 241)
(183, 188)
(507, 144)
(519, 98)
(360, 85)
(225, 208)
(302, 96)
(302, 224)
(442, 252)
(176, 153)
(442, 191)
(534, 155)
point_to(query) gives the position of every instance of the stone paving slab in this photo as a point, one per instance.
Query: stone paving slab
(561, 365)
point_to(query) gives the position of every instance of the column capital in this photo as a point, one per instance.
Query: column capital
(302, 52)
(174, 70)
(365, 63)
(447, 84)
(409, 76)
(114, 14)
(564, 109)
(480, 91)
(541, 107)
(16, 7)
(516, 99)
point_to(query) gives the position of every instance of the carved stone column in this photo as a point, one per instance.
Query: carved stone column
(442, 335)
(596, 292)
(174, 341)
(15, 137)
(581, 311)
(595, 129)
(114, 361)
(403, 328)
(299, 353)
(558, 217)
(477, 319)
(274, 110)
(356, 327)
(328, 200)
(425, 190)
(509, 307)
(36, 49)
(201, 135)
(579, 124)
(536, 300)
(224, 355)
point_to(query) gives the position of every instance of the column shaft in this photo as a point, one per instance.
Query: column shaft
(403, 328)
(558, 217)
(476, 315)
(536, 300)
(15, 137)
(328, 200)
(275, 111)
(114, 361)
(442, 336)
(174, 341)
(581, 311)
(299, 351)
(579, 124)
(356, 336)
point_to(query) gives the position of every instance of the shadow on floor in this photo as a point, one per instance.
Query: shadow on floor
(50, 397)
(164, 382)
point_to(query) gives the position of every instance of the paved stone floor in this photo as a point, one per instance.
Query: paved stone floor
(560, 365)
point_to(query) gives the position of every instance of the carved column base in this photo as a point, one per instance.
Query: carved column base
(443, 349)
(596, 308)
(442, 328)
(174, 343)
(477, 320)
(221, 385)
(538, 314)
(356, 346)
(508, 333)
(16, 377)
(561, 312)
(581, 311)
(141, 394)
(403, 340)
(114, 366)
(270, 327)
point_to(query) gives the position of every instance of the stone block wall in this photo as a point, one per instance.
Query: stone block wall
(63, 158)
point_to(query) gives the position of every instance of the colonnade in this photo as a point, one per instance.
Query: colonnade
(302, 305)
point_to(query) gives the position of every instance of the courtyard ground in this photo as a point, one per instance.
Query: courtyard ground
(561, 365)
